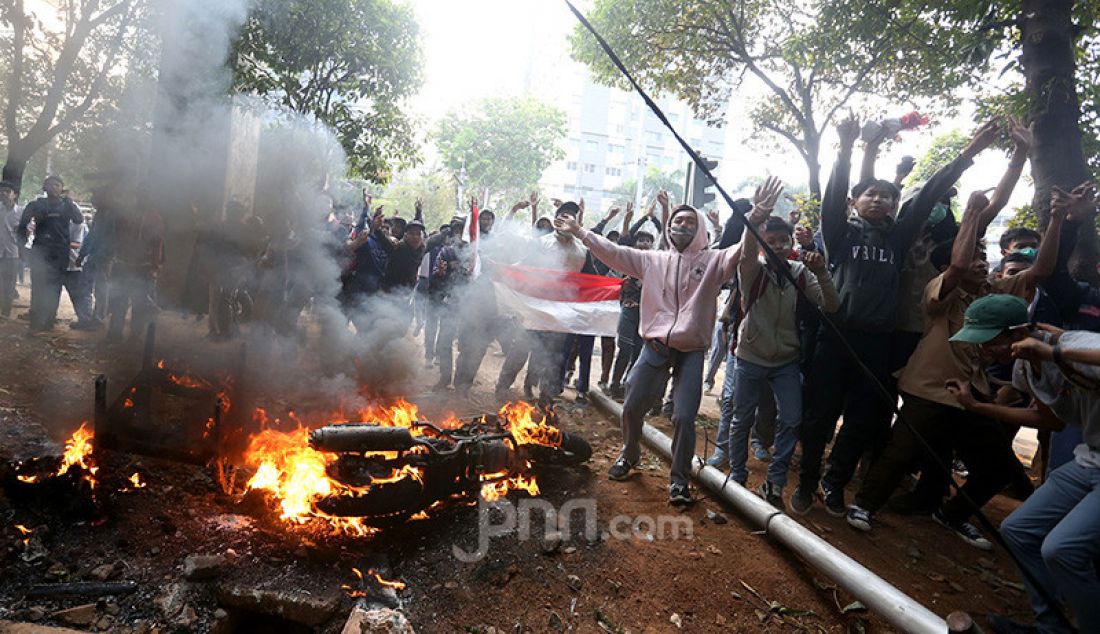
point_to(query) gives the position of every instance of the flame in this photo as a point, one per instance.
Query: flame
(25, 532)
(78, 453)
(160, 364)
(385, 583)
(360, 592)
(497, 485)
(29, 479)
(523, 427)
(186, 380)
(136, 482)
(297, 477)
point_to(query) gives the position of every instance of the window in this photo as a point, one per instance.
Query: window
(620, 129)
(589, 168)
(653, 138)
(571, 166)
(569, 189)
(614, 147)
(613, 171)
(592, 146)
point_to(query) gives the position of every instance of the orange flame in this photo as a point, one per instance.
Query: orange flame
(25, 532)
(78, 453)
(525, 429)
(29, 479)
(297, 476)
(136, 482)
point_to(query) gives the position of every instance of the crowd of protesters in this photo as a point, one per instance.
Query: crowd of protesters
(914, 315)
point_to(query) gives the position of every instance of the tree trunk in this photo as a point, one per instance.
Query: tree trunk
(813, 164)
(15, 164)
(1048, 47)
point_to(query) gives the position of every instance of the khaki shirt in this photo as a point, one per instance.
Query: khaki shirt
(936, 359)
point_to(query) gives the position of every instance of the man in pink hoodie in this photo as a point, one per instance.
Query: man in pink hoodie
(680, 289)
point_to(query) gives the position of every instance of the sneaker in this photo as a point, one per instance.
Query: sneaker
(719, 460)
(582, 398)
(772, 495)
(1004, 625)
(859, 518)
(761, 454)
(617, 391)
(620, 470)
(965, 530)
(802, 500)
(679, 495)
(834, 502)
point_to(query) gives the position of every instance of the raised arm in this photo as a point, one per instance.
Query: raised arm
(1022, 138)
(735, 224)
(962, 252)
(911, 222)
(763, 201)
(602, 224)
(523, 204)
(627, 260)
(1048, 248)
(870, 155)
(834, 203)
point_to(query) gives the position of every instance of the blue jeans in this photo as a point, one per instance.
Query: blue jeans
(786, 384)
(645, 379)
(763, 432)
(1055, 536)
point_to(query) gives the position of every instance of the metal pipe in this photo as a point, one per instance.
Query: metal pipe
(898, 608)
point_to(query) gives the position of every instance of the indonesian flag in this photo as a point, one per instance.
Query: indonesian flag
(557, 301)
(470, 234)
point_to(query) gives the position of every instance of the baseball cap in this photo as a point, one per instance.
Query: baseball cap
(989, 316)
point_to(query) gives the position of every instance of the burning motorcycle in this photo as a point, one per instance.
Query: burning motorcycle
(390, 473)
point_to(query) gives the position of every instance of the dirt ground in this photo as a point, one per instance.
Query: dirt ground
(720, 577)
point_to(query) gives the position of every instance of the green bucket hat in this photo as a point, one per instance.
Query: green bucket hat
(991, 315)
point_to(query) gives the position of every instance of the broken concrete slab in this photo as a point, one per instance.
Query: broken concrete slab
(298, 606)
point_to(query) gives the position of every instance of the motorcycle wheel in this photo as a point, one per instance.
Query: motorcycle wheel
(573, 450)
(390, 503)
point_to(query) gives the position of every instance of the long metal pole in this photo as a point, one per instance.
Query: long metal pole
(898, 608)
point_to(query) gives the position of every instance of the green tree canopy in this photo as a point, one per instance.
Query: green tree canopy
(62, 69)
(349, 63)
(503, 145)
(813, 58)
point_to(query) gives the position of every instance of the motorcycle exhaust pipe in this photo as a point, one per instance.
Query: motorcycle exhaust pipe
(360, 437)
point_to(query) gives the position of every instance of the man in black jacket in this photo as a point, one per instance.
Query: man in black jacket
(52, 216)
(866, 254)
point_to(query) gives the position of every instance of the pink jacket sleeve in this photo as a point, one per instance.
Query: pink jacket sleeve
(728, 259)
(626, 260)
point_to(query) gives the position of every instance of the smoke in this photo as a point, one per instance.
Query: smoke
(239, 189)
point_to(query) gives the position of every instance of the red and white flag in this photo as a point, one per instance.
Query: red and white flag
(470, 234)
(557, 301)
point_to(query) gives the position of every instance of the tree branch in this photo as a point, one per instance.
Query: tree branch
(15, 81)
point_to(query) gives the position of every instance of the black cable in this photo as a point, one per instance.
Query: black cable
(779, 265)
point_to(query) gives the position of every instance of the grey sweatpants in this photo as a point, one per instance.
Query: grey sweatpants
(645, 381)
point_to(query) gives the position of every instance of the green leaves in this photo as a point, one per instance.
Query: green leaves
(502, 144)
(348, 63)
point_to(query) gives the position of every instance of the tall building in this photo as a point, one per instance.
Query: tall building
(613, 137)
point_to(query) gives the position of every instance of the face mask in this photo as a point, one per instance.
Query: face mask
(1028, 251)
(939, 212)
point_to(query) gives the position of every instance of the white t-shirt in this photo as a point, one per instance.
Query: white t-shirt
(1071, 403)
(569, 255)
